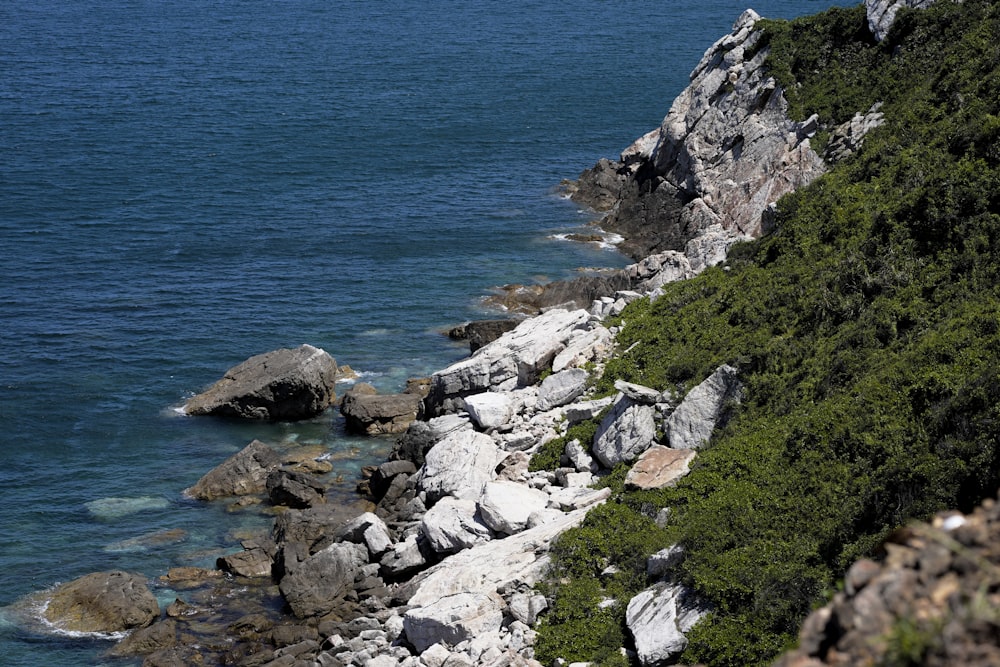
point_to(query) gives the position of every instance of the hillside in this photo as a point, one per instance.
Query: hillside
(866, 331)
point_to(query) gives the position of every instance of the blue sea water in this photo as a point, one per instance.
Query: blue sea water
(186, 184)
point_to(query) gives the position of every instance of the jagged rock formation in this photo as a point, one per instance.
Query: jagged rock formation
(726, 151)
(932, 601)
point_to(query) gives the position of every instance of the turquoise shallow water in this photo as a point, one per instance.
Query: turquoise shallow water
(186, 184)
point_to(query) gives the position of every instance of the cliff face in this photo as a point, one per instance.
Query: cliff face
(723, 155)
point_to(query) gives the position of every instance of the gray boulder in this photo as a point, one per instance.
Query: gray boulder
(102, 602)
(294, 489)
(370, 413)
(316, 584)
(506, 506)
(706, 406)
(243, 473)
(561, 388)
(625, 432)
(367, 529)
(452, 525)
(658, 619)
(283, 385)
(490, 409)
(453, 619)
(460, 465)
(422, 435)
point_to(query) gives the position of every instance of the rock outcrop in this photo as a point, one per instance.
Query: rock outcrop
(103, 602)
(724, 153)
(283, 385)
(932, 600)
(882, 13)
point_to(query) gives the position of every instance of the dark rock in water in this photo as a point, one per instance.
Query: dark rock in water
(243, 473)
(102, 602)
(379, 414)
(180, 578)
(162, 634)
(251, 626)
(315, 584)
(481, 332)
(571, 294)
(252, 562)
(598, 187)
(289, 635)
(294, 489)
(283, 385)
(314, 525)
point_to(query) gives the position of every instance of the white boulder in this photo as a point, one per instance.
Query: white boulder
(506, 506)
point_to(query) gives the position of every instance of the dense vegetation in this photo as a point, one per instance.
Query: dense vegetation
(866, 329)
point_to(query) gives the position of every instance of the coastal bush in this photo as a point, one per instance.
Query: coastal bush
(865, 329)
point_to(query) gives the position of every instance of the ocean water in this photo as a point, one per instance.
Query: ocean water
(186, 184)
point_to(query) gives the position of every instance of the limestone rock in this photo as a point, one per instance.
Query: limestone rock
(561, 388)
(102, 602)
(514, 360)
(453, 619)
(658, 618)
(882, 13)
(460, 465)
(506, 506)
(658, 467)
(243, 473)
(489, 409)
(584, 346)
(283, 385)
(422, 435)
(314, 585)
(451, 525)
(625, 432)
(690, 426)
(846, 139)
(371, 413)
(486, 567)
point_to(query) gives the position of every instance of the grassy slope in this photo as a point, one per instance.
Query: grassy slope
(867, 332)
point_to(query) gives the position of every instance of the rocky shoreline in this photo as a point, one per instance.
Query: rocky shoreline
(437, 563)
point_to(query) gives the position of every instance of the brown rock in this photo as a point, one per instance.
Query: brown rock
(103, 602)
(658, 467)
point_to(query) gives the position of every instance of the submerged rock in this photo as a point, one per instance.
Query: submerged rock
(283, 385)
(102, 602)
